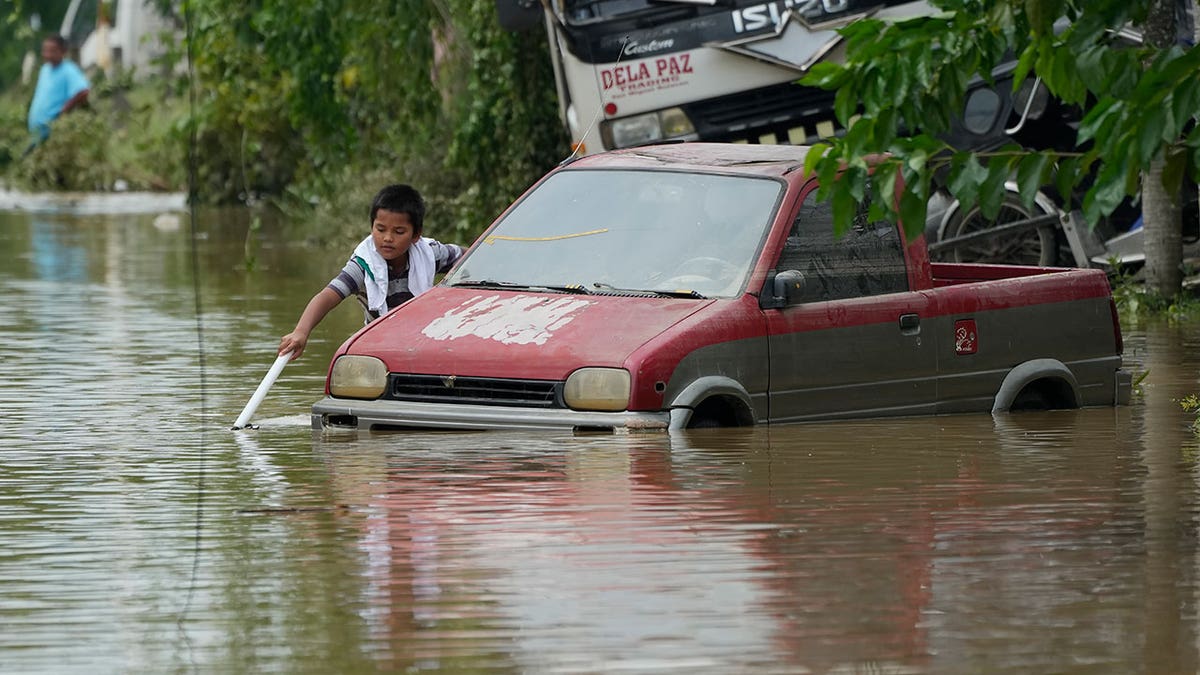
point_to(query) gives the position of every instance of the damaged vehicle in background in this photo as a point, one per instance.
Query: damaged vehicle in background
(1050, 232)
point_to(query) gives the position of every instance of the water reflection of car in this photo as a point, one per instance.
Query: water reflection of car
(617, 293)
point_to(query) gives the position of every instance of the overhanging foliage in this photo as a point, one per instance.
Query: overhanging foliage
(905, 80)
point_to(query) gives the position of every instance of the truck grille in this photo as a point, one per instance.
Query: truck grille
(475, 390)
(785, 113)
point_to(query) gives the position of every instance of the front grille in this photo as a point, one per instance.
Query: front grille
(475, 390)
(775, 110)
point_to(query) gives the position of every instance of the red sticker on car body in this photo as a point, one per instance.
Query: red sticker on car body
(966, 338)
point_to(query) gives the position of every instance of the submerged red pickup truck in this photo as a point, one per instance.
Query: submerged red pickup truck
(696, 285)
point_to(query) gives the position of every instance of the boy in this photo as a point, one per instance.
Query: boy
(61, 87)
(388, 268)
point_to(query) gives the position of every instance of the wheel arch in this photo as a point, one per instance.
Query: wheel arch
(724, 391)
(1051, 374)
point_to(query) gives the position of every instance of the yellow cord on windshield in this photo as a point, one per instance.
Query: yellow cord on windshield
(492, 238)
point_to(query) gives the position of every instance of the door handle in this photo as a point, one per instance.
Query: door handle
(910, 324)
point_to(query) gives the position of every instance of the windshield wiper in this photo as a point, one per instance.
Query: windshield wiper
(488, 283)
(578, 290)
(680, 293)
(513, 286)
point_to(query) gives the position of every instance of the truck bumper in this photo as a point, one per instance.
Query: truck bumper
(1124, 390)
(331, 413)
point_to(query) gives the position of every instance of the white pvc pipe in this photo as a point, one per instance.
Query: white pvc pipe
(261, 392)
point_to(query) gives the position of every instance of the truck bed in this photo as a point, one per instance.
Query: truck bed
(953, 274)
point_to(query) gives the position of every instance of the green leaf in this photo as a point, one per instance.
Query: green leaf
(844, 105)
(884, 185)
(858, 137)
(1126, 71)
(827, 174)
(1093, 124)
(1031, 173)
(814, 155)
(1092, 68)
(916, 161)
(991, 192)
(825, 75)
(854, 180)
(1185, 100)
(1107, 193)
(966, 177)
(1170, 131)
(1035, 10)
(1066, 175)
(844, 208)
(886, 127)
(1174, 167)
(1024, 64)
(1149, 134)
(922, 68)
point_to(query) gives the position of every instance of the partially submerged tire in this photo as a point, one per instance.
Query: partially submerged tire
(704, 422)
(719, 411)
(1034, 246)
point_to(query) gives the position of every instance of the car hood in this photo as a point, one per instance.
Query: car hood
(510, 334)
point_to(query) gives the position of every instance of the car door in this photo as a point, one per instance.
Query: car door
(849, 342)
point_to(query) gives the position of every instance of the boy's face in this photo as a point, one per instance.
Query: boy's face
(51, 52)
(393, 234)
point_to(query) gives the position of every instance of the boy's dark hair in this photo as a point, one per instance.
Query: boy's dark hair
(56, 39)
(401, 199)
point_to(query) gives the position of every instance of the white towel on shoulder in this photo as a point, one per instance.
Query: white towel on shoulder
(421, 268)
(422, 265)
(376, 277)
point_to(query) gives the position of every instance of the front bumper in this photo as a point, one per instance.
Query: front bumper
(335, 413)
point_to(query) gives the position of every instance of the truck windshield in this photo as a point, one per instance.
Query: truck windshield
(590, 11)
(609, 231)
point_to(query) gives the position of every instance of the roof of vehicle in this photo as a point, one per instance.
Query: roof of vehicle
(770, 160)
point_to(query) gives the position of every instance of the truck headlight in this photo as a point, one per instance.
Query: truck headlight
(357, 377)
(652, 126)
(597, 389)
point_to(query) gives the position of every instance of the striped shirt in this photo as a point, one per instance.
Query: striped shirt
(352, 279)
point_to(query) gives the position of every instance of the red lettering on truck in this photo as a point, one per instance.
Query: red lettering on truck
(673, 65)
(623, 75)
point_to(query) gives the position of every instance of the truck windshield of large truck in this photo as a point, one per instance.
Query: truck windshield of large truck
(590, 11)
(580, 12)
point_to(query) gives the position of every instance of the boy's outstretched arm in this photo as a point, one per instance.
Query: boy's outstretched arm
(317, 308)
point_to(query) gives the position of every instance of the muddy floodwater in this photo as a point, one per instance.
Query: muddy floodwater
(138, 534)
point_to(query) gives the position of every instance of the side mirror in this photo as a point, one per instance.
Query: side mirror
(781, 289)
(518, 15)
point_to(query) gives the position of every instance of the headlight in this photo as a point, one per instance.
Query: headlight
(634, 130)
(357, 377)
(597, 389)
(653, 126)
(675, 123)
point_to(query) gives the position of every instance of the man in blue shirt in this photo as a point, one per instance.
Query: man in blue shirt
(61, 86)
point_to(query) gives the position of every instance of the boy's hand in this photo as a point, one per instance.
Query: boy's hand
(293, 342)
